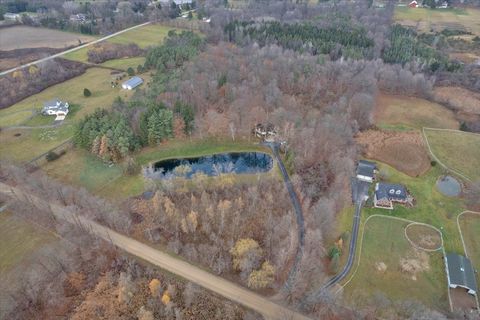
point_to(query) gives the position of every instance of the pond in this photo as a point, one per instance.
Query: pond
(449, 186)
(212, 165)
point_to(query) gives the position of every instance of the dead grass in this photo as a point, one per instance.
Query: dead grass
(470, 226)
(403, 112)
(424, 236)
(462, 99)
(19, 37)
(405, 151)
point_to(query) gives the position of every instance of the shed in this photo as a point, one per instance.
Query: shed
(460, 273)
(132, 83)
(366, 170)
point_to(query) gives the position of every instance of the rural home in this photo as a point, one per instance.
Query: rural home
(55, 107)
(132, 83)
(460, 273)
(79, 17)
(366, 171)
(413, 4)
(265, 131)
(386, 194)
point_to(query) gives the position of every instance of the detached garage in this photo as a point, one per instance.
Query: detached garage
(132, 83)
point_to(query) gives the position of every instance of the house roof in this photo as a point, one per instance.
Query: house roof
(460, 271)
(52, 103)
(133, 82)
(366, 168)
(390, 191)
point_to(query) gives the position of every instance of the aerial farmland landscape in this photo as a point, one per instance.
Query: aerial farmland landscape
(239, 159)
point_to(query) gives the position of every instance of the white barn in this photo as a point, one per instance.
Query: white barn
(132, 83)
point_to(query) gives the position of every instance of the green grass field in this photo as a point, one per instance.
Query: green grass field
(402, 112)
(384, 242)
(18, 240)
(125, 63)
(431, 206)
(470, 225)
(459, 151)
(427, 19)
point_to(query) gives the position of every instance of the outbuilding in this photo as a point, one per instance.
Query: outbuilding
(460, 273)
(366, 170)
(132, 83)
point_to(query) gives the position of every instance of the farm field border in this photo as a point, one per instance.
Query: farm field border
(442, 248)
(463, 241)
(436, 158)
(72, 50)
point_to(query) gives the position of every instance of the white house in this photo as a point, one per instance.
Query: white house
(11, 16)
(55, 107)
(132, 83)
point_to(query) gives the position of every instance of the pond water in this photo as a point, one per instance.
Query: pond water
(213, 165)
(449, 186)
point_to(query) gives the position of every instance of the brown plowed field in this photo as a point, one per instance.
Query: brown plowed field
(405, 151)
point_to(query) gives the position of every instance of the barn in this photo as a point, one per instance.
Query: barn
(132, 83)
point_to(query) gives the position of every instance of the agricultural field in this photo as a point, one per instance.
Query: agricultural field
(125, 63)
(425, 19)
(403, 113)
(470, 226)
(457, 150)
(390, 267)
(20, 37)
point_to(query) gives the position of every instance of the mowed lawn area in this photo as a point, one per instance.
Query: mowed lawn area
(458, 150)
(403, 112)
(125, 63)
(427, 19)
(470, 226)
(431, 206)
(80, 168)
(18, 240)
(391, 267)
(149, 35)
(97, 80)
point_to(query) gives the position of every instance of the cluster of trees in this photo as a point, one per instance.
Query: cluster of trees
(108, 51)
(341, 40)
(405, 47)
(28, 81)
(225, 227)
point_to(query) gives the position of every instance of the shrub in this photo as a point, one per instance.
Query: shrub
(87, 92)
(433, 163)
(52, 155)
(130, 71)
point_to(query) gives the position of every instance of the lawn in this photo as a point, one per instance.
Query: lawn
(383, 269)
(403, 112)
(125, 63)
(458, 150)
(470, 225)
(97, 80)
(431, 206)
(427, 19)
(18, 240)
(31, 142)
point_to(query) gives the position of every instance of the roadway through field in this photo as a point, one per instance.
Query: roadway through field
(269, 309)
(71, 50)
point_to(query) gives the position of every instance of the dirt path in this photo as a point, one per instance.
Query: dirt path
(269, 309)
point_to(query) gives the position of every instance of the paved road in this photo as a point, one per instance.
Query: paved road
(298, 213)
(269, 309)
(71, 50)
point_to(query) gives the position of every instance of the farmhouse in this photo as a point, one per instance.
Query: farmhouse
(132, 83)
(460, 273)
(11, 16)
(265, 131)
(55, 107)
(386, 194)
(366, 170)
(413, 4)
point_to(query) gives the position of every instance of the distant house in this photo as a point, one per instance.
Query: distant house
(413, 4)
(386, 194)
(366, 170)
(444, 5)
(265, 131)
(79, 17)
(56, 108)
(132, 83)
(11, 16)
(460, 273)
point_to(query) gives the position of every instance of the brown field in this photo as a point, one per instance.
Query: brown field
(424, 236)
(19, 37)
(459, 98)
(465, 57)
(13, 58)
(405, 151)
(403, 112)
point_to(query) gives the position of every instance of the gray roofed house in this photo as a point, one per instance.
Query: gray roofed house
(132, 83)
(366, 170)
(387, 193)
(460, 273)
(54, 107)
